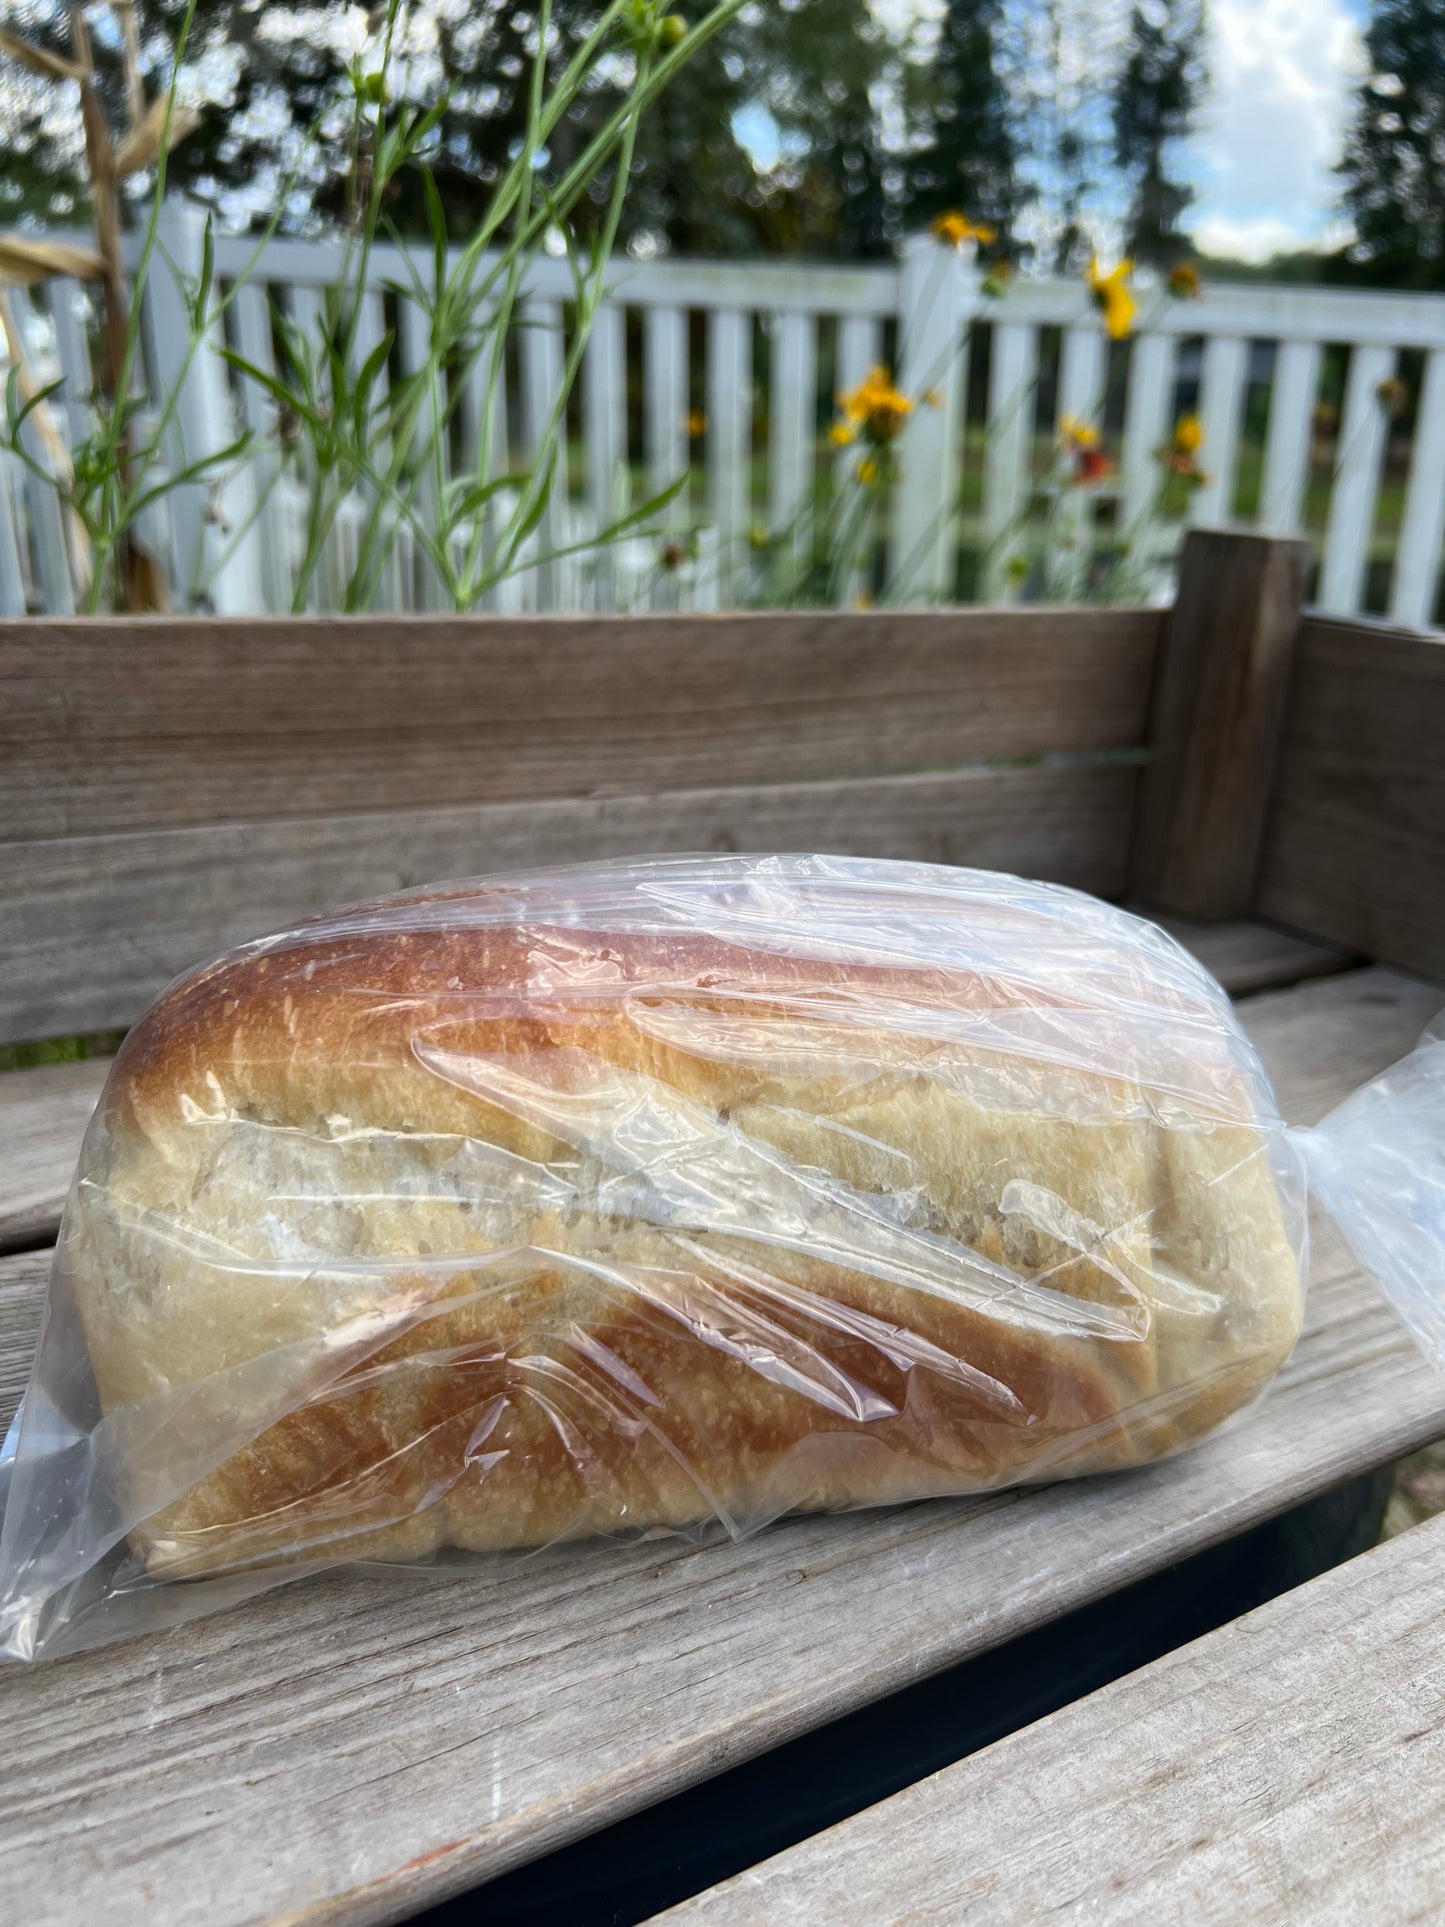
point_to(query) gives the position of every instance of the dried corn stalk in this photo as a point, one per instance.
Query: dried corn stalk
(141, 147)
(24, 261)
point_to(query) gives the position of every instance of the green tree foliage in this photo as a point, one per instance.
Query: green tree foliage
(968, 158)
(1394, 162)
(806, 71)
(1156, 98)
(1058, 57)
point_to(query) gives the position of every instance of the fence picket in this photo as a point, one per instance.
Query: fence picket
(252, 320)
(213, 557)
(390, 589)
(539, 347)
(1226, 362)
(860, 348)
(428, 448)
(936, 300)
(1083, 363)
(665, 403)
(1364, 425)
(43, 510)
(604, 403)
(792, 413)
(1008, 450)
(69, 310)
(730, 442)
(1147, 428)
(12, 575)
(1417, 561)
(930, 295)
(1287, 444)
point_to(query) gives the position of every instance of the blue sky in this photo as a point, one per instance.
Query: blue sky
(1281, 77)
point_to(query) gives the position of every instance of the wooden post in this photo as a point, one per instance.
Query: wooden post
(1217, 707)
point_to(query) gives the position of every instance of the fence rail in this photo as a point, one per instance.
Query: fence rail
(1323, 414)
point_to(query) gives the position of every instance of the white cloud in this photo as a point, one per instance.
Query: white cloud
(1281, 74)
(1254, 237)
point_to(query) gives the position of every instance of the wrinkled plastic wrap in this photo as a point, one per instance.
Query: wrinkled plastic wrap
(656, 1198)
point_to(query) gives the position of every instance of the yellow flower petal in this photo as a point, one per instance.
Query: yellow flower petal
(953, 229)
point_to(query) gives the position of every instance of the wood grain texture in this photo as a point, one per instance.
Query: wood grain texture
(23, 1279)
(43, 1115)
(92, 928)
(163, 723)
(1354, 849)
(1218, 704)
(1246, 955)
(1289, 1767)
(349, 1749)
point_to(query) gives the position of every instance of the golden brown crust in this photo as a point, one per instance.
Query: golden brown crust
(570, 1357)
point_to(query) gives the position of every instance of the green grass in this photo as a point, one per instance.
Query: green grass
(59, 1050)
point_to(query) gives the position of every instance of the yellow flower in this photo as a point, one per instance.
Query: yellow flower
(1393, 396)
(867, 471)
(1184, 283)
(876, 406)
(1188, 435)
(1111, 297)
(953, 229)
(695, 422)
(1077, 434)
(862, 600)
(840, 434)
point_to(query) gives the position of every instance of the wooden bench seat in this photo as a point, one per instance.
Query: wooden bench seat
(354, 1747)
(1288, 1767)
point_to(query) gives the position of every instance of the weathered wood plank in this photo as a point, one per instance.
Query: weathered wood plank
(1354, 847)
(164, 723)
(22, 1298)
(43, 1114)
(1214, 728)
(347, 1750)
(91, 928)
(1286, 1767)
(1247, 956)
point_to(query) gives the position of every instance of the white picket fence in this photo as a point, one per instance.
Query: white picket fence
(777, 343)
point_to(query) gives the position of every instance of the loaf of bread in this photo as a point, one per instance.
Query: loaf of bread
(634, 1198)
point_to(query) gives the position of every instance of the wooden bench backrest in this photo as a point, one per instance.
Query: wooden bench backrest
(171, 786)
(1354, 847)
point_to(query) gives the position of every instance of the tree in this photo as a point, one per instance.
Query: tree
(1058, 60)
(269, 77)
(968, 158)
(1156, 97)
(1394, 162)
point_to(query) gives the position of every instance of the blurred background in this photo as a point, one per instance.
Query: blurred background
(1118, 265)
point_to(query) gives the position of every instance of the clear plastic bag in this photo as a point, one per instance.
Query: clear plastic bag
(655, 1198)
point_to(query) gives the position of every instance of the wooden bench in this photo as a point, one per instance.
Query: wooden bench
(353, 1748)
(1287, 1767)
